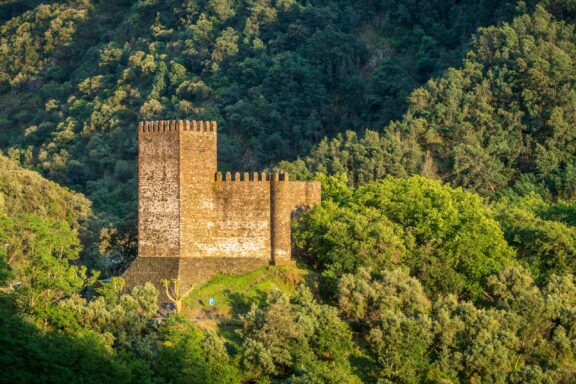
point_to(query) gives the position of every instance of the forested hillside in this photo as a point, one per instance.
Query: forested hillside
(76, 76)
(443, 133)
(501, 124)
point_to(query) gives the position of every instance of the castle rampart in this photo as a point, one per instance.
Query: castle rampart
(193, 221)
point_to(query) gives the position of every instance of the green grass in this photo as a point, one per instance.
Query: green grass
(233, 295)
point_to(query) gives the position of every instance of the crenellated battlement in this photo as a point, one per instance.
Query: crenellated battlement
(230, 177)
(161, 126)
(193, 221)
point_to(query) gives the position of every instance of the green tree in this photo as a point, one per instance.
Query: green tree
(446, 236)
(503, 115)
(40, 253)
(121, 320)
(545, 246)
(395, 316)
(31, 356)
(297, 339)
(188, 356)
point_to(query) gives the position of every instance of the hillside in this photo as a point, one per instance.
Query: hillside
(233, 295)
(442, 132)
(76, 76)
(26, 192)
(499, 125)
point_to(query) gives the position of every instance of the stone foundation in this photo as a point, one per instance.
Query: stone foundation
(189, 270)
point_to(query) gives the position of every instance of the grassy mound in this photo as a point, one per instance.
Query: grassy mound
(233, 295)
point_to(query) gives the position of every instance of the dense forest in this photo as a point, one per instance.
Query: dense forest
(444, 135)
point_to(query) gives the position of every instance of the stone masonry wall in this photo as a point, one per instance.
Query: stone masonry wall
(158, 191)
(193, 222)
(198, 142)
(242, 208)
(286, 198)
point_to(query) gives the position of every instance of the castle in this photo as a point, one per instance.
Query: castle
(194, 222)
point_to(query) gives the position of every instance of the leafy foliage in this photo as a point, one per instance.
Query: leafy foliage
(279, 76)
(422, 282)
(545, 245)
(299, 339)
(444, 235)
(186, 356)
(38, 253)
(31, 356)
(26, 192)
(500, 121)
(454, 341)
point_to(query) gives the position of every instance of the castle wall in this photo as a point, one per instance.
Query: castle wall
(242, 209)
(304, 194)
(158, 191)
(194, 223)
(198, 143)
(288, 197)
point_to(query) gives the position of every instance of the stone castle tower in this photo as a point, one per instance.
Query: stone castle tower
(194, 222)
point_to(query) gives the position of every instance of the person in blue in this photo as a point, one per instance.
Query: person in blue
(211, 301)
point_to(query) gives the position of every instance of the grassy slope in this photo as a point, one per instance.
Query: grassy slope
(233, 295)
